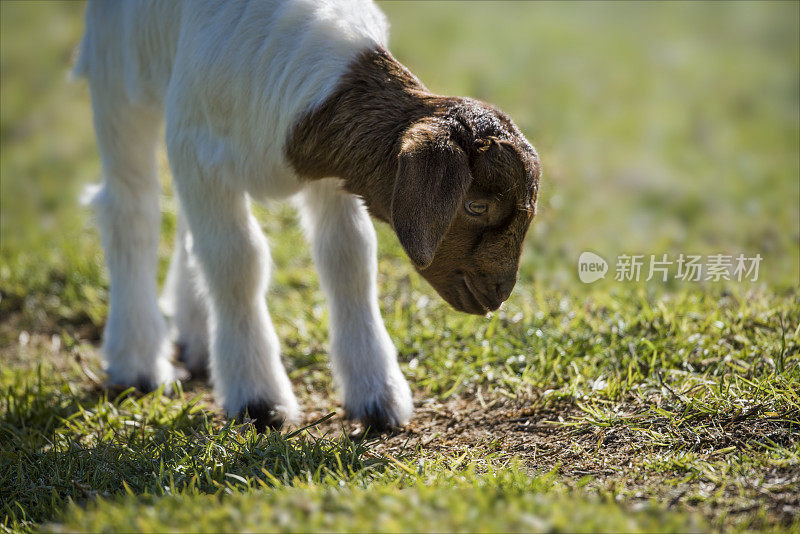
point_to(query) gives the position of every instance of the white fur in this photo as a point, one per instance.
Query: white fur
(345, 250)
(185, 300)
(232, 78)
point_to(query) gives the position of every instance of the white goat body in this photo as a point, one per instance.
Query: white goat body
(232, 78)
(269, 99)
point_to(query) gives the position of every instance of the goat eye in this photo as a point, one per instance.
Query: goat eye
(476, 207)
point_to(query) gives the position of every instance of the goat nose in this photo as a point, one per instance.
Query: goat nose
(504, 288)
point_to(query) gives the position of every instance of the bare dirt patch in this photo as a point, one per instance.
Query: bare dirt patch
(554, 436)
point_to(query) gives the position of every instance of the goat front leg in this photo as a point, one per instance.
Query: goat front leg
(344, 248)
(246, 369)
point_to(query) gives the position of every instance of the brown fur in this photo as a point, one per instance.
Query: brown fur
(416, 158)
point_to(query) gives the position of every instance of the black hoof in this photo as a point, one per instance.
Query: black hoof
(145, 385)
(375, 419)
(262, 415)
(195, 372)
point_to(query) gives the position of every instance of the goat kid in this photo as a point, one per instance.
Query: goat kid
(272, 99)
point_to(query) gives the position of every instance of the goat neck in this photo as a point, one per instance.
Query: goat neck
(356, 134)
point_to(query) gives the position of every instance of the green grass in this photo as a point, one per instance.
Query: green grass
(153, 464)
(500, 501)
(663, 128)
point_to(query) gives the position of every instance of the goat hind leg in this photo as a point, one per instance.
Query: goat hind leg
(185, 299)
(135, 341)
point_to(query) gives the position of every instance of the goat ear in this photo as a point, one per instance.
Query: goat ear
(432, 177)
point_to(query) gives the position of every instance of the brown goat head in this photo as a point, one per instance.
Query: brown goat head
(464, 197)
(453, 176)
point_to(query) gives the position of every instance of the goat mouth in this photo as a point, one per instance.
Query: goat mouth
(476, 298)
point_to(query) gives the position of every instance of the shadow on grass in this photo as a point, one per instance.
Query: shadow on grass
(58, 445)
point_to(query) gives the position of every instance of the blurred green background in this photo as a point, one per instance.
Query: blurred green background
(662, 127)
